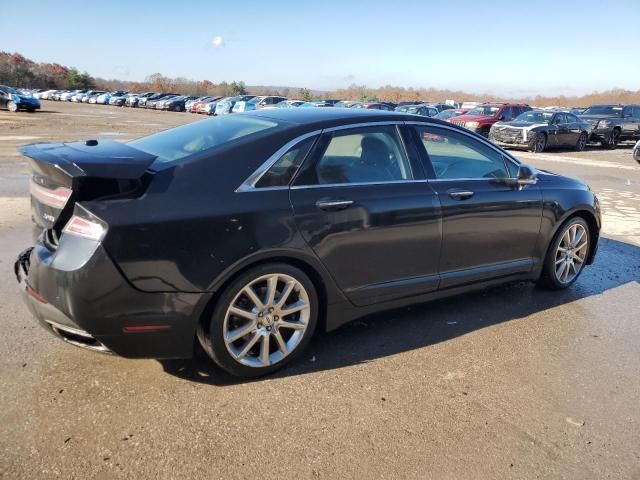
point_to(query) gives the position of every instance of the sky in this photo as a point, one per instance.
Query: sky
(511, 48)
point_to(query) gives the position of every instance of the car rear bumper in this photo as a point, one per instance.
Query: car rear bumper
(94, 306)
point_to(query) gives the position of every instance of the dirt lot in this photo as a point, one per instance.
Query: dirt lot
(514, 382)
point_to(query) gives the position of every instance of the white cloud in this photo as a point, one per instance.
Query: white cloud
(217, 41)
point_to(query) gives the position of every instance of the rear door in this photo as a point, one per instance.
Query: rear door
(489, 229)
(362, 203)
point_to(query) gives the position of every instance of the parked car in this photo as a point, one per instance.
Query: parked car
(93, 98)
(224, 107)
(66, 96)
(346, 103)
(636, 151)
(13, 100)
(257, 253)
(257, 103)
(373, 106)
(189, 105)
(289, 104)
(46, 94)
(105, 98)
(480, 119)
(174, 104)
(207, 106)
(119, 100)
(537, 130)
(424, 110)
(133, 98)
(447, 114)
(613, 123)
(442, 106)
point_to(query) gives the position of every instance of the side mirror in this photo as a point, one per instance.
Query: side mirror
(526, 175)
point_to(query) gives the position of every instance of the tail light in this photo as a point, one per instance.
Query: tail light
(57, 198)
(82, 227)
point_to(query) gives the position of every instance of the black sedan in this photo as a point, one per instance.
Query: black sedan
(246, 233)
(537, 130)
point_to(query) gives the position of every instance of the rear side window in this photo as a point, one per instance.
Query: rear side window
(456, 156)
(362, 155)
(176, 143)
(283, 170)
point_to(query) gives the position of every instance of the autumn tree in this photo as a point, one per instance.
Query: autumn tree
(305, 94)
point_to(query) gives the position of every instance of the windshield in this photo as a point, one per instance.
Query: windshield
(534, 117)
(612, 110)
(484, 110)
(176, 143)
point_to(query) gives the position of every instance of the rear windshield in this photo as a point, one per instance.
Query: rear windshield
(180, 142)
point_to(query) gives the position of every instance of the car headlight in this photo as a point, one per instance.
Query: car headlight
(604, 124)
(472, 125)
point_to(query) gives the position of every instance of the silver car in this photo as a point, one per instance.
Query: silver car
(636, 151)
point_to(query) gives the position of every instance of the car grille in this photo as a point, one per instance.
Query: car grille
(507, 135)
(460, 123)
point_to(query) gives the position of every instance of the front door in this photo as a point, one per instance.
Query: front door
(368, 213)
(489, 229)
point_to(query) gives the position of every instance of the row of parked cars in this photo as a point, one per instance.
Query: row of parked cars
(510, 125)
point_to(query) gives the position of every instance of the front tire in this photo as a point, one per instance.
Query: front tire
(12, 106)
(262, 320)
(539, 143)
(613, 140)
(567, 255)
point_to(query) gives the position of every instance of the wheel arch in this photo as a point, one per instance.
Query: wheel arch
(326, 290)
(594, 228)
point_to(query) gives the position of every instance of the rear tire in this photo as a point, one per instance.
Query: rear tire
(253, 308)
(567, 255)
(582, 142)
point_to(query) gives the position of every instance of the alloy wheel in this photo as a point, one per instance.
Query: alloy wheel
(582, 142)
(571, 253)
(541, 143)
(12, 106)
(266, 320)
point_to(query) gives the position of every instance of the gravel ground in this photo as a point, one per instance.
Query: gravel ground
(513, 382)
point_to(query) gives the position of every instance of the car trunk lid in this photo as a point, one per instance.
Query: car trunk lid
(65, 173)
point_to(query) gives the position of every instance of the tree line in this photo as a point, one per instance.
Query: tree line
(16, 70)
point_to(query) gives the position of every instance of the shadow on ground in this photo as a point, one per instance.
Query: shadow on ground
(397, 331)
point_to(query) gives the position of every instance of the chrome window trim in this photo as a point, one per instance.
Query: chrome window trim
(250, 183)
(359, 184)
(483, 140)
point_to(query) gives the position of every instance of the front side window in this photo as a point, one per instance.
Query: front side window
(283, 170)
(455, 155)
(362, 155)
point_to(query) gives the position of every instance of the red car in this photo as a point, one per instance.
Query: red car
(480, 119)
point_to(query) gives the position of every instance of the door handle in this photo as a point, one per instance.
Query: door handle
(460, 194)
(333, 204)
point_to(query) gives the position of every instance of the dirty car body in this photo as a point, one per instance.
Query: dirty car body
(134, 242)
